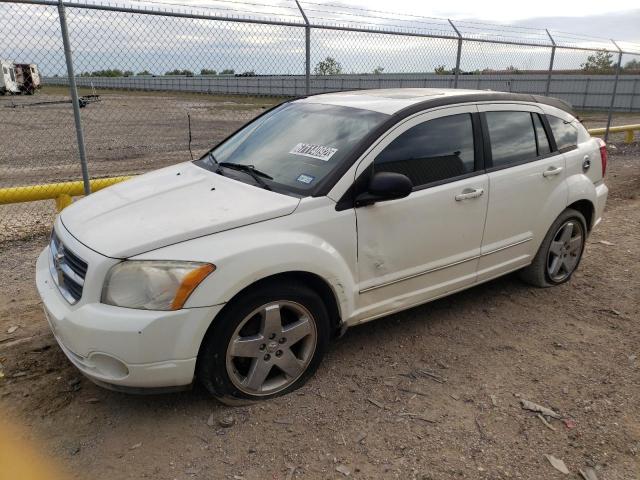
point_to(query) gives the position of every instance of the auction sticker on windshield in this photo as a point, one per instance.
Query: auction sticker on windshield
(314, 151)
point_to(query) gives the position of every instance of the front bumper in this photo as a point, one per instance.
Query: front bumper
(121, 346)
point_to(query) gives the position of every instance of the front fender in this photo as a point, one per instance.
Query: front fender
(244, 256)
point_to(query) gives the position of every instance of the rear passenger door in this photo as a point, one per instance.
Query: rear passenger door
(527, 190)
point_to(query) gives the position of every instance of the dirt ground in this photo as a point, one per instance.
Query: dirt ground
(369, 412)
(125, 132)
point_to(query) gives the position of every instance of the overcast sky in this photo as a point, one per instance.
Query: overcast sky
(597, 18)
(499, 11)
(619, 19)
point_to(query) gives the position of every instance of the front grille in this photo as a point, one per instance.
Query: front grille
(67, 269)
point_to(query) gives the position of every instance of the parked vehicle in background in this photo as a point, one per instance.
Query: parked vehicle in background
(322, 213)
(8, 83)
(27, 78)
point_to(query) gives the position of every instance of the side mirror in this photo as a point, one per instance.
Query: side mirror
(385, 186)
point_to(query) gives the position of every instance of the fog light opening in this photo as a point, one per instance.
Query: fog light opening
(108, 366)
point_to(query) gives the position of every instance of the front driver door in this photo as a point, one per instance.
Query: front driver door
(427, 244)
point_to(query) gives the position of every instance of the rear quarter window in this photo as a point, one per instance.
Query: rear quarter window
(564, 132)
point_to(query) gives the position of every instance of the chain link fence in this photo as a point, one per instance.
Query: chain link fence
(160, 82)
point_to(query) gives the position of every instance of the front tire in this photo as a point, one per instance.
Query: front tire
(560, 252)
(267, 342)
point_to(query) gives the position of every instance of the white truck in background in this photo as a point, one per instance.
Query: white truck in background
(8, 83)
(27, 78)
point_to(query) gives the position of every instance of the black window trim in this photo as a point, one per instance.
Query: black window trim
(535, 131)
(487, 142)
(549, 132)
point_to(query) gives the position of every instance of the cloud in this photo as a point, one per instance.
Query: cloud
(619, 25)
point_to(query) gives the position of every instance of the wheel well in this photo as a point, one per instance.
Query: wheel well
(585, 207)
(317, 283)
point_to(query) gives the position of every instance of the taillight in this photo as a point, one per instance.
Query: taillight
(603, 155)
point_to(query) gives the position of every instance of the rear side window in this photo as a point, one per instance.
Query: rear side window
(541, 136)
(564, 132)
(433, 151)
(512, 137)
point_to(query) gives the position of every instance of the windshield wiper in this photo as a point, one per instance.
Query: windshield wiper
(256, 174)
(217, 170)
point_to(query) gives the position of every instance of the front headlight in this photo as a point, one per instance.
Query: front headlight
(153, 285)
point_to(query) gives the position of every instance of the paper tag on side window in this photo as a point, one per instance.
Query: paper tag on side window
(314, 151)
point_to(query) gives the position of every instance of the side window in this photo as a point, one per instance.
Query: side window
(435, 150)
(12, 74)
(564, 132)
(512, 137)
(541, 136)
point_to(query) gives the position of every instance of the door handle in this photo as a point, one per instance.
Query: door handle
(551, 171)
(469, 193)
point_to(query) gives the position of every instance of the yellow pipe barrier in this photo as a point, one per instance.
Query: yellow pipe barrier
(61, 192)
(628, 129)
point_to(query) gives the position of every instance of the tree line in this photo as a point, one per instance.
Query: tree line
(600, 62)
(116, 72)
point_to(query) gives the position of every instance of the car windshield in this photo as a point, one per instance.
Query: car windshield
(296, 144)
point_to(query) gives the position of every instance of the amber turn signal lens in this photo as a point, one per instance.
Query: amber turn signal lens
(189, 283)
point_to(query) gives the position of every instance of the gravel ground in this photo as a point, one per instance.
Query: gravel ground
(369, 411)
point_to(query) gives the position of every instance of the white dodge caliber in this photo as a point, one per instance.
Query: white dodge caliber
(324, 212)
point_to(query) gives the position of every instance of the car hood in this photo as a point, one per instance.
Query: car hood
(168, 206)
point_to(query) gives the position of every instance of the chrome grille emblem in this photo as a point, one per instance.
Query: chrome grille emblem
(67, 270)
(58, 258)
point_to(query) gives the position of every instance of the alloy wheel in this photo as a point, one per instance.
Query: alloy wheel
(271, 348)
(565, 250)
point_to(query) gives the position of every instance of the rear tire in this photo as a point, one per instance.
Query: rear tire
(267, 342)
(560, 252)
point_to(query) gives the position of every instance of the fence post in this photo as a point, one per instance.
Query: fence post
(307, 50)
(553, 56)
(586, 94)
(458, 54)
(74, 96)
(613, 94)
